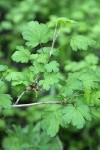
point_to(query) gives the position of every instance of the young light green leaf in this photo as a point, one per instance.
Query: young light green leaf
(61, 22)
(22, 55)
(76, 115)
(36, 33)
(80, 42)
(52, 66)
(5, 101)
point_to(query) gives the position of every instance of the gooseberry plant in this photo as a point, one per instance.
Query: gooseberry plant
(76, 96)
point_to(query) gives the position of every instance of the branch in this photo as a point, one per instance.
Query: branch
(60, 143)
(19, 97)
(28, 88)
(40, 103)
(53, 43)
(54, 40)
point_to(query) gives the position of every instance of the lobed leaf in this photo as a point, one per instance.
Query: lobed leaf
(37, 68)
(1, 83)
(95, 98)
(36, 33)
(76, 115)
(52, 66)
(30, 138)
(62, 22)
(3, 68)
(18, 78)
(5, 101)
(40, 58)
(49, 80)
(52, 119)
(80, 42)
(46, 50)
(21, 55)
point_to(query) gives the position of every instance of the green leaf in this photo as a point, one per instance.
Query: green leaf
(91, 59)
(76, 115)
(52, 119)
(72, 84)
(33, 56)
(75, 66)
(36, 33)
(37, 68)
(30, 138)
(18, 78)
(95, 98)
(49, 80)
(62, 22)
(52, 66)
(84, 81)
(14, 76)
(40, 58)
(46, 50)
(97, 72)
(1, 83)
(43, 58)
(95, 112)
(5, 101)
(22, 55)
(89, 81)
(81, 42)
(3, 68)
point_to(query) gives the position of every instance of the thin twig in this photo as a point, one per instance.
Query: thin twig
(40, 103)
(59, 142)
(58, 33)
(41, 46)
(54, 40)
(19, 97)
(26, 90)
(36, 79)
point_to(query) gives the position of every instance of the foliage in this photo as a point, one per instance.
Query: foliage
(76, 115)
(24, 139)
(52, 119)
(36, 33)
(81, 42)
(65, 71)
(23, 55)
(82, 81)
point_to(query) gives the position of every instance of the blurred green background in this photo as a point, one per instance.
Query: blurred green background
(14, 14)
